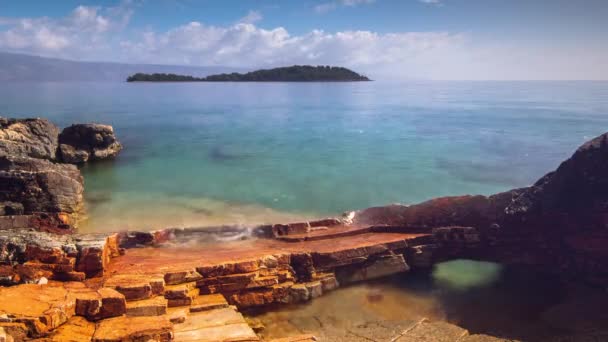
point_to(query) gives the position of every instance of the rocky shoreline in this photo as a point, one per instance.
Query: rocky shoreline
(171, 285)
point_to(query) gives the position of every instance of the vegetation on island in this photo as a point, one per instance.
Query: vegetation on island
(296, 73)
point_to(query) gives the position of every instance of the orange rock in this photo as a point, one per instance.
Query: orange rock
(136, 287)
(134, 329)
(178, 277)
(12, 331)
(148, 307)
(69, 276)
(223, 324)
(177, 315)
(40, 308)
(76, 329)
(101, 304)
(31, 273)
(208, 302)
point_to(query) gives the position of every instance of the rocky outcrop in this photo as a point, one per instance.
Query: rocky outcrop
(559, 224)
(81, 143)
(29, 185)
(34, 138)
(36, 189)
(28, 255)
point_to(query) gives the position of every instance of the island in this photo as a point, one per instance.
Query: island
(295, 73)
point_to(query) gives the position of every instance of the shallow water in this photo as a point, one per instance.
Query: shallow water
(208, 154)
(481, 297)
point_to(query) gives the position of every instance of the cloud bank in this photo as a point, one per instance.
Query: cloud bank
(96, 33)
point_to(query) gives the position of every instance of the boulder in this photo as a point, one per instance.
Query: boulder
(81, 143)
(34, 138)
(29, 185)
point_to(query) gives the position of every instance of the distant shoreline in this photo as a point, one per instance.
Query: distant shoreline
(296, 73)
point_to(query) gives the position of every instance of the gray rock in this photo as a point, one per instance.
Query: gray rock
(81, 143)
(36, 185)
(35, 138)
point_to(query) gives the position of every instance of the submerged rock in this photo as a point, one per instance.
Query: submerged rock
(81, 143)
(34, 138)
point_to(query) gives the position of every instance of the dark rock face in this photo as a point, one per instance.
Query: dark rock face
(34, 188)
(86, 142)
(29, 185)
(579, 183)
(34, 138)
(559, 224)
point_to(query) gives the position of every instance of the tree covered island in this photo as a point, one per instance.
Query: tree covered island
(296, 73)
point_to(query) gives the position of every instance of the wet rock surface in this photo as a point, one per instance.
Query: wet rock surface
(81, 143)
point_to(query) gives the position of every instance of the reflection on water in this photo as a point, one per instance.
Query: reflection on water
(481, 297)
(466, 274)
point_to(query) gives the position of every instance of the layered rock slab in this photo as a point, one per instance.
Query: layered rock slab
(225, 324)
(260, 272)
(134, 329)
(27, 255)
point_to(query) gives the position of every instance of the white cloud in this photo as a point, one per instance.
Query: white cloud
(85, 28)
(95, 33)
(252, 17)
(430, 1)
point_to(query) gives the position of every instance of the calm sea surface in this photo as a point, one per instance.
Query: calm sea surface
(245, 153)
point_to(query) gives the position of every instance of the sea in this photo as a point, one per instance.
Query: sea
(212, 154)
(209, 154)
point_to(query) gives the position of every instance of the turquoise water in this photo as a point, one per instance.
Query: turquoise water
(200, 153)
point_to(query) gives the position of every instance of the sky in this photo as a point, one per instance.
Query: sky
(384, 39)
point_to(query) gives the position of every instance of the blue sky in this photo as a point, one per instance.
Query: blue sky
(437, 39)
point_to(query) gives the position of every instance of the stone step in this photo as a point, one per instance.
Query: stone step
(208, 302)
(136, 287)
(155, 328)
(225, 324)
(95, 305)
(76, 329)
(182, 297)
(181, 291)
(147, 307)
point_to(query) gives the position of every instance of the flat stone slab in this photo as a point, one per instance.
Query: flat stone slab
(120, 329)
(148, 307)
(156, 260)
(41, 308)
(224, 324)
(76, 329)
(208, 302)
